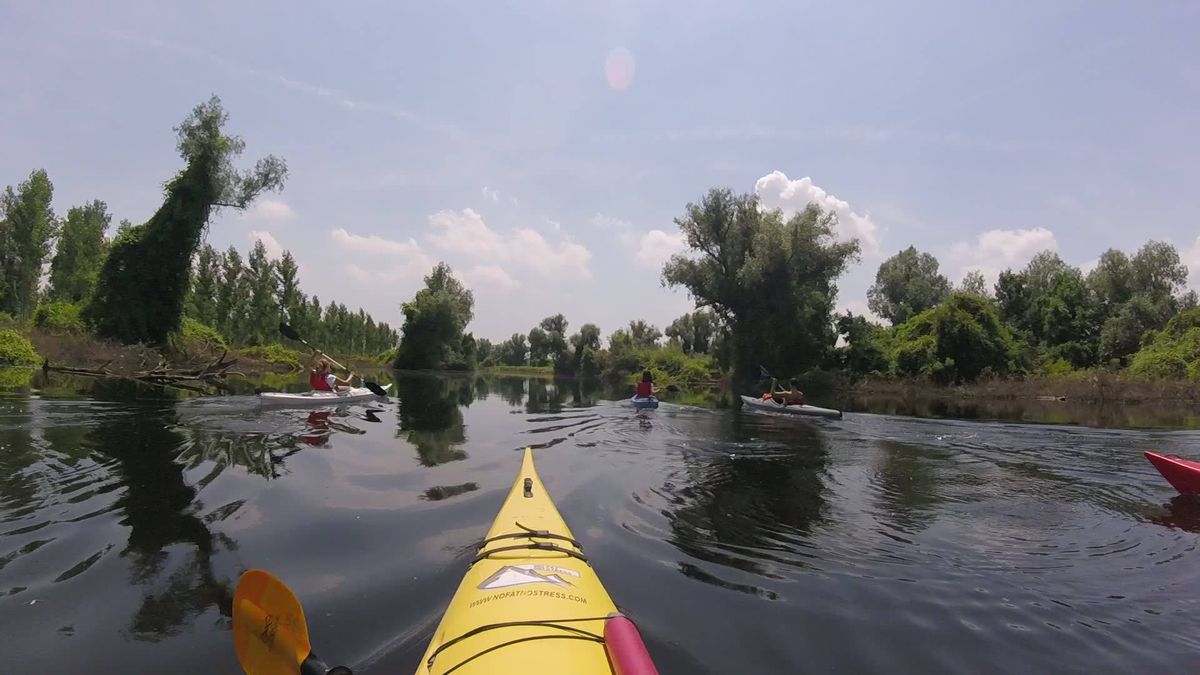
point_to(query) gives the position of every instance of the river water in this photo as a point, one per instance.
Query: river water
(739, 542)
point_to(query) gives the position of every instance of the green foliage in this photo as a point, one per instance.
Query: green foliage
(1174, 352)
(17, 350)
(867, 345)
(771, 280)
(1051, 305)
(7, 319)
(79, 253)
(955, 341)
(59, 317)
(262, 318)
(144, 281)
(513, 352)
(694, 332)
(671, 365)
(434, 322)
(277, 354)
(27, 226)
(206, 279)
(907, 284)
(1058, 366)
(198, 332)
(973, 283)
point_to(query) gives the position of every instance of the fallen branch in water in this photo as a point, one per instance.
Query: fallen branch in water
(200, 380)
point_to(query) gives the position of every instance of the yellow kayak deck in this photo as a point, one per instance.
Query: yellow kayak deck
(529, 603)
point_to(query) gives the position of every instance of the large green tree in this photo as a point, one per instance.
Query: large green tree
(79, 253)
(694, 331)
(27, 227)
(434, 321)
(291, 300)
(143, 284)
(907, 284)
(956, 341)
(233, 297)
(1050, 305)
(771, 280)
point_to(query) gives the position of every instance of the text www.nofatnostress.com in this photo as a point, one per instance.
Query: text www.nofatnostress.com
(528, 593)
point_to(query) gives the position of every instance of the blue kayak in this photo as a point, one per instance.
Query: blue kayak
(644, 403)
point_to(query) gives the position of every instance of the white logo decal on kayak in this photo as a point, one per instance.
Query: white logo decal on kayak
(519, 575)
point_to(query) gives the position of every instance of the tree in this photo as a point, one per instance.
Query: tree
(1112, 281)
(907, 284)
(539, 346)
(484, 350)
(973, 282)
(434, 321)
(28, 226)
(290, 298)
(263, 287)
(144, 281)
(644, 335)
(555, 330)
(588, 338)
(513, 351)
(694, 332)
(233, 297)
(957, 341)
(1158, 272)
(1049, 304)
(80, 252)
(771, 281)
(206, 280)
(863, 353)
(1121, 334)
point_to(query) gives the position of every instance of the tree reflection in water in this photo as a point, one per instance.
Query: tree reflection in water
(161, 510)
(748, 510)
(431, 419)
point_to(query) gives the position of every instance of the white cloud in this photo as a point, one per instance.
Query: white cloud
(491, 194)
(997, 250)
(274, 250)
(269, 211)
(374, 244)
(464, 232)
(775, 190)
(491, 278)
(395, 274)
(656, 247)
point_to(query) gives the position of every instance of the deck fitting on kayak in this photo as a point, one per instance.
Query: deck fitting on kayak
(528, 488)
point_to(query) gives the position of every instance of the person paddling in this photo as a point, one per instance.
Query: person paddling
(646, 388)
(320, 378)
(791, 396)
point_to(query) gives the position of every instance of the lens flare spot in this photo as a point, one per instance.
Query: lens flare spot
(619, 69)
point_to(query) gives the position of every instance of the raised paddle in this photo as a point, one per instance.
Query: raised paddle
(291, 334)
(270, 634)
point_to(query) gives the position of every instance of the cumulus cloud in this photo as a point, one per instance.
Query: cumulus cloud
(465, 233)
(274, 250)
(491, 278)
(656, 247)
(994, 251)
(374, 244)
(269, 211)
(395, 274)
(776, 190)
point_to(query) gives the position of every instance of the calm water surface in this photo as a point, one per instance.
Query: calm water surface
(739, 542)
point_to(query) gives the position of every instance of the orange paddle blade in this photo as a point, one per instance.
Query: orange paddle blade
(270, 634)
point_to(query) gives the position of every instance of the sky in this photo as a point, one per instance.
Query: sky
(544, 149)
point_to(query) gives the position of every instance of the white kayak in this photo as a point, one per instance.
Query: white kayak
(802, 410)
(318, 397)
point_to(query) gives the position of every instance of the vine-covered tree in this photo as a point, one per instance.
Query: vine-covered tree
(27, 227)
(771, 280)
(142, 286)
(907, 284)
(79, 252)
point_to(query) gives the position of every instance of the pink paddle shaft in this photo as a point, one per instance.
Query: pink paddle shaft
(625, 648)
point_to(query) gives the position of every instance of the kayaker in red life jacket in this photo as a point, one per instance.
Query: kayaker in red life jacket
(321, 379)
(792, 396)
(646, 388)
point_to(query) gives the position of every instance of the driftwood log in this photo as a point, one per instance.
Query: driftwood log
(205, 380)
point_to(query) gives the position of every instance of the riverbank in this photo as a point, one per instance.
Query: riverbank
(87, 351)
(1088, 386)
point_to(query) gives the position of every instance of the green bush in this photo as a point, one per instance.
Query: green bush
(1059, 366)
(195, 331)
(60, 316)
(16, 350)
(277, 354)
(7, 319)
(1174, 352)
(955, 341)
